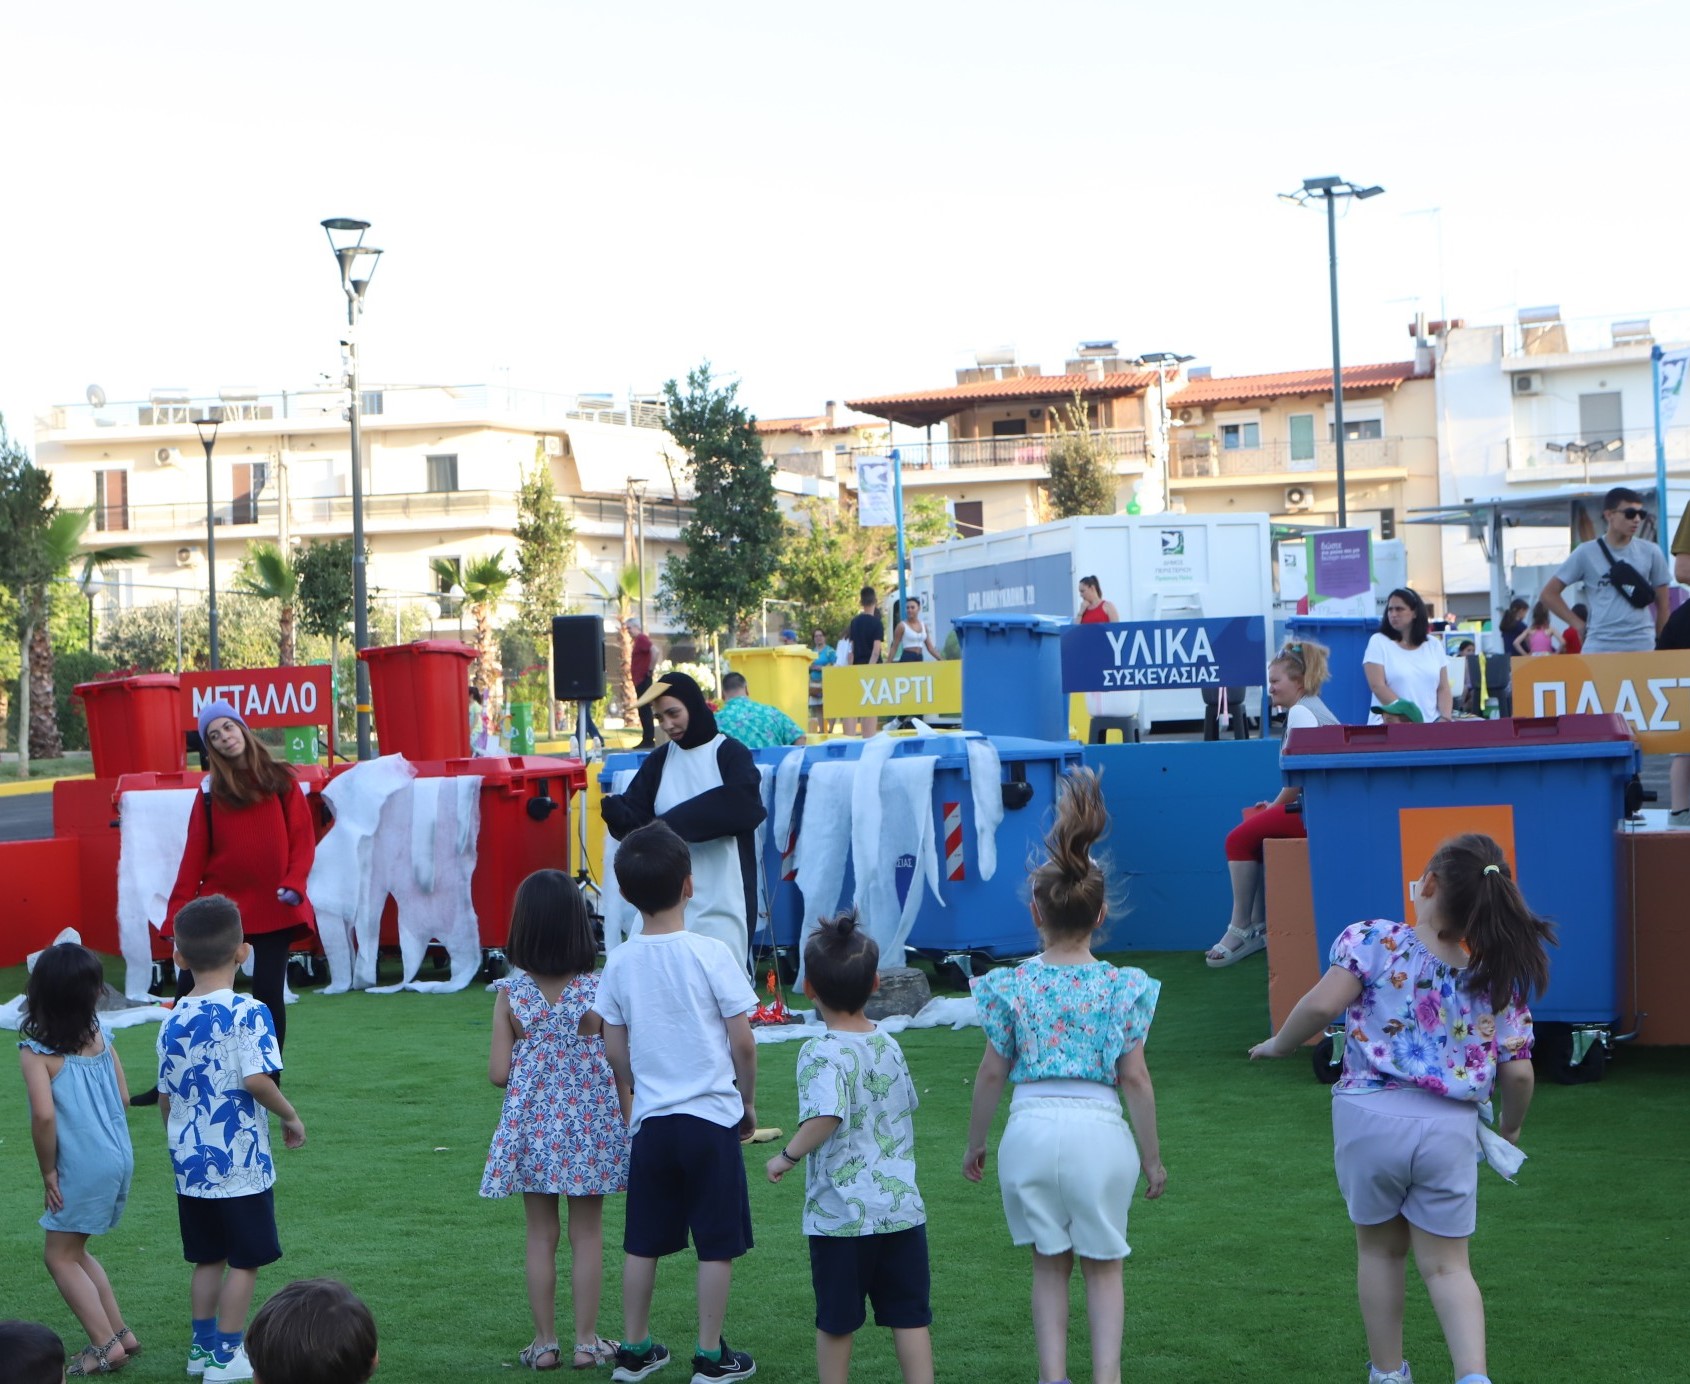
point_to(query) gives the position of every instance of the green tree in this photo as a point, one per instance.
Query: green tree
(1082, 472)
(545, 546)
(325, 601)
(625, 596)
(267, 574)
(828, 558)
(731, 547)
(485, 582)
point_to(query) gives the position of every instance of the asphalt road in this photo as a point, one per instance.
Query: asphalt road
(26, 816)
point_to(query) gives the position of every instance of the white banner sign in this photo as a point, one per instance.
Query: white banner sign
(875, 509)
(1674, 365)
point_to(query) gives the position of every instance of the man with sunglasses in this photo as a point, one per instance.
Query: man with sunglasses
(1616, 624)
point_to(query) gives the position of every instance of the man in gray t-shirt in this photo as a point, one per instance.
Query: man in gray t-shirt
(1615, 625)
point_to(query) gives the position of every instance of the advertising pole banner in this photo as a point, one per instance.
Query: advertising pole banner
(876, 508)
(265, 697)
(1651, 691)
(1157, 655)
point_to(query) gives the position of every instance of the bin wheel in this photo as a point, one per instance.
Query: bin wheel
(786, 966)
(1326, 1071)
(954, 973)
(493, 966)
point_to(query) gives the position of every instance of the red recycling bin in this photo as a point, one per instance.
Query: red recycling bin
(313, 776)
(135, 724)
(420, 695)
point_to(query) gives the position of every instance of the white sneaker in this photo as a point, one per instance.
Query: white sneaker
(198, 1358)
(237, 1366)
(1397, 1376)
(1680, 820)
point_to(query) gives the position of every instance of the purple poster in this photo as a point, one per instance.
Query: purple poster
(1340, 564)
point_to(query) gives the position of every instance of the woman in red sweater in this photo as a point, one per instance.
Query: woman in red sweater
(250, 838)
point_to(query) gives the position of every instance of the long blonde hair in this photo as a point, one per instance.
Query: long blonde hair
(1306, 661)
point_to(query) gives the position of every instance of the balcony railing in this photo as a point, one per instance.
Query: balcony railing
(1033, 449)
(1200, 458)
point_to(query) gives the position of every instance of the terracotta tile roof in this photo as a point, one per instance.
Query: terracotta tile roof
(932, 405)
(1290, 382)
(786, 425)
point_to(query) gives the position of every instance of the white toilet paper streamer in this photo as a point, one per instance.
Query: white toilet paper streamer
(621, 919)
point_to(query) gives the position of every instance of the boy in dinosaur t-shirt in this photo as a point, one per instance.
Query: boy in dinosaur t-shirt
(862, 1212)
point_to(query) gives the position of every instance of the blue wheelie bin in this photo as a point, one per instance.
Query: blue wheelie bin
(1377, 801)
(1346, 692)
(1012, 675)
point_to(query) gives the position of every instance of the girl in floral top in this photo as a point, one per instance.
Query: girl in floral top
(1068, 1031)
(1435, 1019)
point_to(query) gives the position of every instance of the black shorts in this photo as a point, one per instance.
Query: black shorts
(687, 1174)
(889, 1270)
(238, 1230)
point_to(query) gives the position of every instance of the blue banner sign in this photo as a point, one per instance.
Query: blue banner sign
(1157, 655)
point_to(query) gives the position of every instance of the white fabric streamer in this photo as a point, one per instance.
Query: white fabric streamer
(892, 817)
(824, 842)
(153, 831)
(348, 917)
(787, 776)
(450, 809)
(621, 919)
(985, 777)
(761, 923)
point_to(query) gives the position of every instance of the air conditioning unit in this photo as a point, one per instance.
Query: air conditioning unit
(1187, 415)
(168, 456)
(1529, 382)
(1298, 499)
(186, 556)
(554, 446)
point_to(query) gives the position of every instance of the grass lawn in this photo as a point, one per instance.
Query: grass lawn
(69, 767)
(1242, 1272)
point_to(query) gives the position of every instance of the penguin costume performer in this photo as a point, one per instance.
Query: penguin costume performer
(706, 787)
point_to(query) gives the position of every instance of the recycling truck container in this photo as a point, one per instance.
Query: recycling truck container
(1378, 801)
(135, 724)
(1346, 692)
(420, 696)
(1012, 675)
(778, 676)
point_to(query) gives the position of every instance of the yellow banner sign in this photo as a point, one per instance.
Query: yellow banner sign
(893, 689)
(1651, 691)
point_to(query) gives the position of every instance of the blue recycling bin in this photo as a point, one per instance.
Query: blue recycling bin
(1012, 675)
(1347, 694)
(1377, 801)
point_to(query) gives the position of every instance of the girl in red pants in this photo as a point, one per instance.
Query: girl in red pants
(1295, 678)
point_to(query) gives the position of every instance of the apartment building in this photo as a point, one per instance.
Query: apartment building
(820, 446)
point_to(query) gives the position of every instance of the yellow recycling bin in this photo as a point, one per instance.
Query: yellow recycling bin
(777, 676)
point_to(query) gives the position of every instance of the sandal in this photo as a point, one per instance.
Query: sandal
(1243, 943)
(96, 1356)
(537, 1351)
(598, 1352)
(130, 1351)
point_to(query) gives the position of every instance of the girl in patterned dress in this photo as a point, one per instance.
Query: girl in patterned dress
(563, 1130)
(1435, 1021)
(1068, 1031)
(77, 1100)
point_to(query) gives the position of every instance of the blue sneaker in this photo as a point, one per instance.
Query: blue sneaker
(632, 1366)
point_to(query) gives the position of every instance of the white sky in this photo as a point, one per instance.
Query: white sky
(824, 201)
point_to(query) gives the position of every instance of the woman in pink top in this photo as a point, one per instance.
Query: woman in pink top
(1537, 637)
(1435, 1018)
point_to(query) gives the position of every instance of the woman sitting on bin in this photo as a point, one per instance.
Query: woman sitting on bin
(251, 839)
(1404, 663)
(1295, 678)
(706, 786)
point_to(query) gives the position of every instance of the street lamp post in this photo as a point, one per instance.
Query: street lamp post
(1330, 190)
(636, 487)
(207, 428)
(353, 255)
(1164, 426)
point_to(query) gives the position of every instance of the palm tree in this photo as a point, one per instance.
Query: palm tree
(270, 576)
(38, 709)
(484, 583)
(626, 595)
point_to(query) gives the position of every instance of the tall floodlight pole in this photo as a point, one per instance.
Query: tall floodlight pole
(207, 428)
(357, 267)
(1330, 190)
(1163, 453)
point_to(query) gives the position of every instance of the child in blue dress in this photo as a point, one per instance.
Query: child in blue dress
(563, 1130)
(1435, 1019)
(1068, 1031)
(77, 1110)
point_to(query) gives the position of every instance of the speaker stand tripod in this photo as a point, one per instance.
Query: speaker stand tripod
(583, 876)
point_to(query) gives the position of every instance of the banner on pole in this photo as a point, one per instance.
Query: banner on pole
(1674, 366)
(1151, 655)
(875, 507)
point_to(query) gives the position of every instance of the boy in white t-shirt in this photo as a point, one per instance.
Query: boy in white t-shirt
(676, 1008)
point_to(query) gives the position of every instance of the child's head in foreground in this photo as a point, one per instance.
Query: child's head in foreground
(653, 868)
(315, 1331)
(841, 964)
(551, 933)
(208, 933)
(31, 1353)
(63, 996)
(1070, 893)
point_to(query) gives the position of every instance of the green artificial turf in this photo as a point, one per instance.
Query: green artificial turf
(1243, 1271)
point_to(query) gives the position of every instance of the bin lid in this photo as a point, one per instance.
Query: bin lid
(151, 780)
(1333, 622)
(803, 651)
(1460, 742)
(501, 771)
(168, 681)
(423, 646)
(1011, 748)
(1032, 624)
(621, 759)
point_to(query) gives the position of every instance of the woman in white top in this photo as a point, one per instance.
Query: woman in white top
(1403, 662)
(911, 637)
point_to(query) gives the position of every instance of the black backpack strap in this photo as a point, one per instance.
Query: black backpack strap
(205, 798)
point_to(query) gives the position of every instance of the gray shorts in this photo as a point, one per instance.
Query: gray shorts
(1408, 1153)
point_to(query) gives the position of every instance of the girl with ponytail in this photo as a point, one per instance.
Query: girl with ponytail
(1435, 1020)
(1067, 1031)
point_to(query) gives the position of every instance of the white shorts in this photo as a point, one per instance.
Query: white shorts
(1068, 1169)
(1408, 1153)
